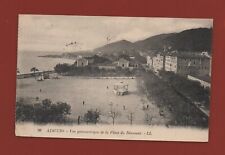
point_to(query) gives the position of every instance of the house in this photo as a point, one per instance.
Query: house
(133, 64)
(150, 62)
(158, 62)
(210, 61)
(81, 62)
(123, 63)
(183, 63)
(187, 63)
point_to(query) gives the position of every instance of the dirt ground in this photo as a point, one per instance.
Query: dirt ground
(84, 94)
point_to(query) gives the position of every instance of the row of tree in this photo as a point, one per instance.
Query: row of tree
(46, 111)
(42, 112)
(191, 89)
(72, 70)
(166, 98)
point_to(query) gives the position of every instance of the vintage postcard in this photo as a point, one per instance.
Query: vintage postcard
(125, 78)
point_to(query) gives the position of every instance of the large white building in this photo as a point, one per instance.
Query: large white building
(81, 62)
(183, 63)
(188, 64)
(123, 63)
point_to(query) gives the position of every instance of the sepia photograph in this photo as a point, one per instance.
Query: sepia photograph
(108, 77)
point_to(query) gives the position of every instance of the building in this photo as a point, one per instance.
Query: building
(158, 62)
(133, 64)
(187, 63)
(210, 61)
(183, 63)
(123, 63)
(81, 62)
(171, 63)
(149, 62)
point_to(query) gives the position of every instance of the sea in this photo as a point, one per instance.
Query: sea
(29, 59)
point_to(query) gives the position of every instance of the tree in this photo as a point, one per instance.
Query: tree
(91, 116)
(131, 117)
(34, 70)
(148, 118)
(17, 71)
(43, 112)
(24, 112)
(113, 115)
(62, 68)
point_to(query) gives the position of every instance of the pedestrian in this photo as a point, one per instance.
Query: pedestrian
(40, 90)
(147, 106)
(83, 103)
(78, 120)
(107, 87)
(124, 107)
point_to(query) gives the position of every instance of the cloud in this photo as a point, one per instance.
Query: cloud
(53, 32)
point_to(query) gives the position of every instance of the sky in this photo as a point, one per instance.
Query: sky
(63, 33)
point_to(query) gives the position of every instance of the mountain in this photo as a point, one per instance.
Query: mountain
(156, 42)
(116, 48)
(193, 40)
(189, 40)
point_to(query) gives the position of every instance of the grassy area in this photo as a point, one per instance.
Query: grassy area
(170, 102)
(191, 89)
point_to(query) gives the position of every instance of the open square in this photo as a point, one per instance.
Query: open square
(85, 94)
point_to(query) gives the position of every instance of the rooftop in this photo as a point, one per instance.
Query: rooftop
(184, 54)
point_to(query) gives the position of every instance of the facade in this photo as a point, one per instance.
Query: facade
(181, 63)
(149, 62)
(81, 62)
(188, 63)
(158, 62)
(123, 63)
(133, 64)
(171, 63)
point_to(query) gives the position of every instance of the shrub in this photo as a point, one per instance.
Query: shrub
(44, 112)
(62, 68)
(164, 95)
(91, 116)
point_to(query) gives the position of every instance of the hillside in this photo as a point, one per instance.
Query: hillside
(153, 43)
(116, 48)
(189, 40)
(193, 40)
